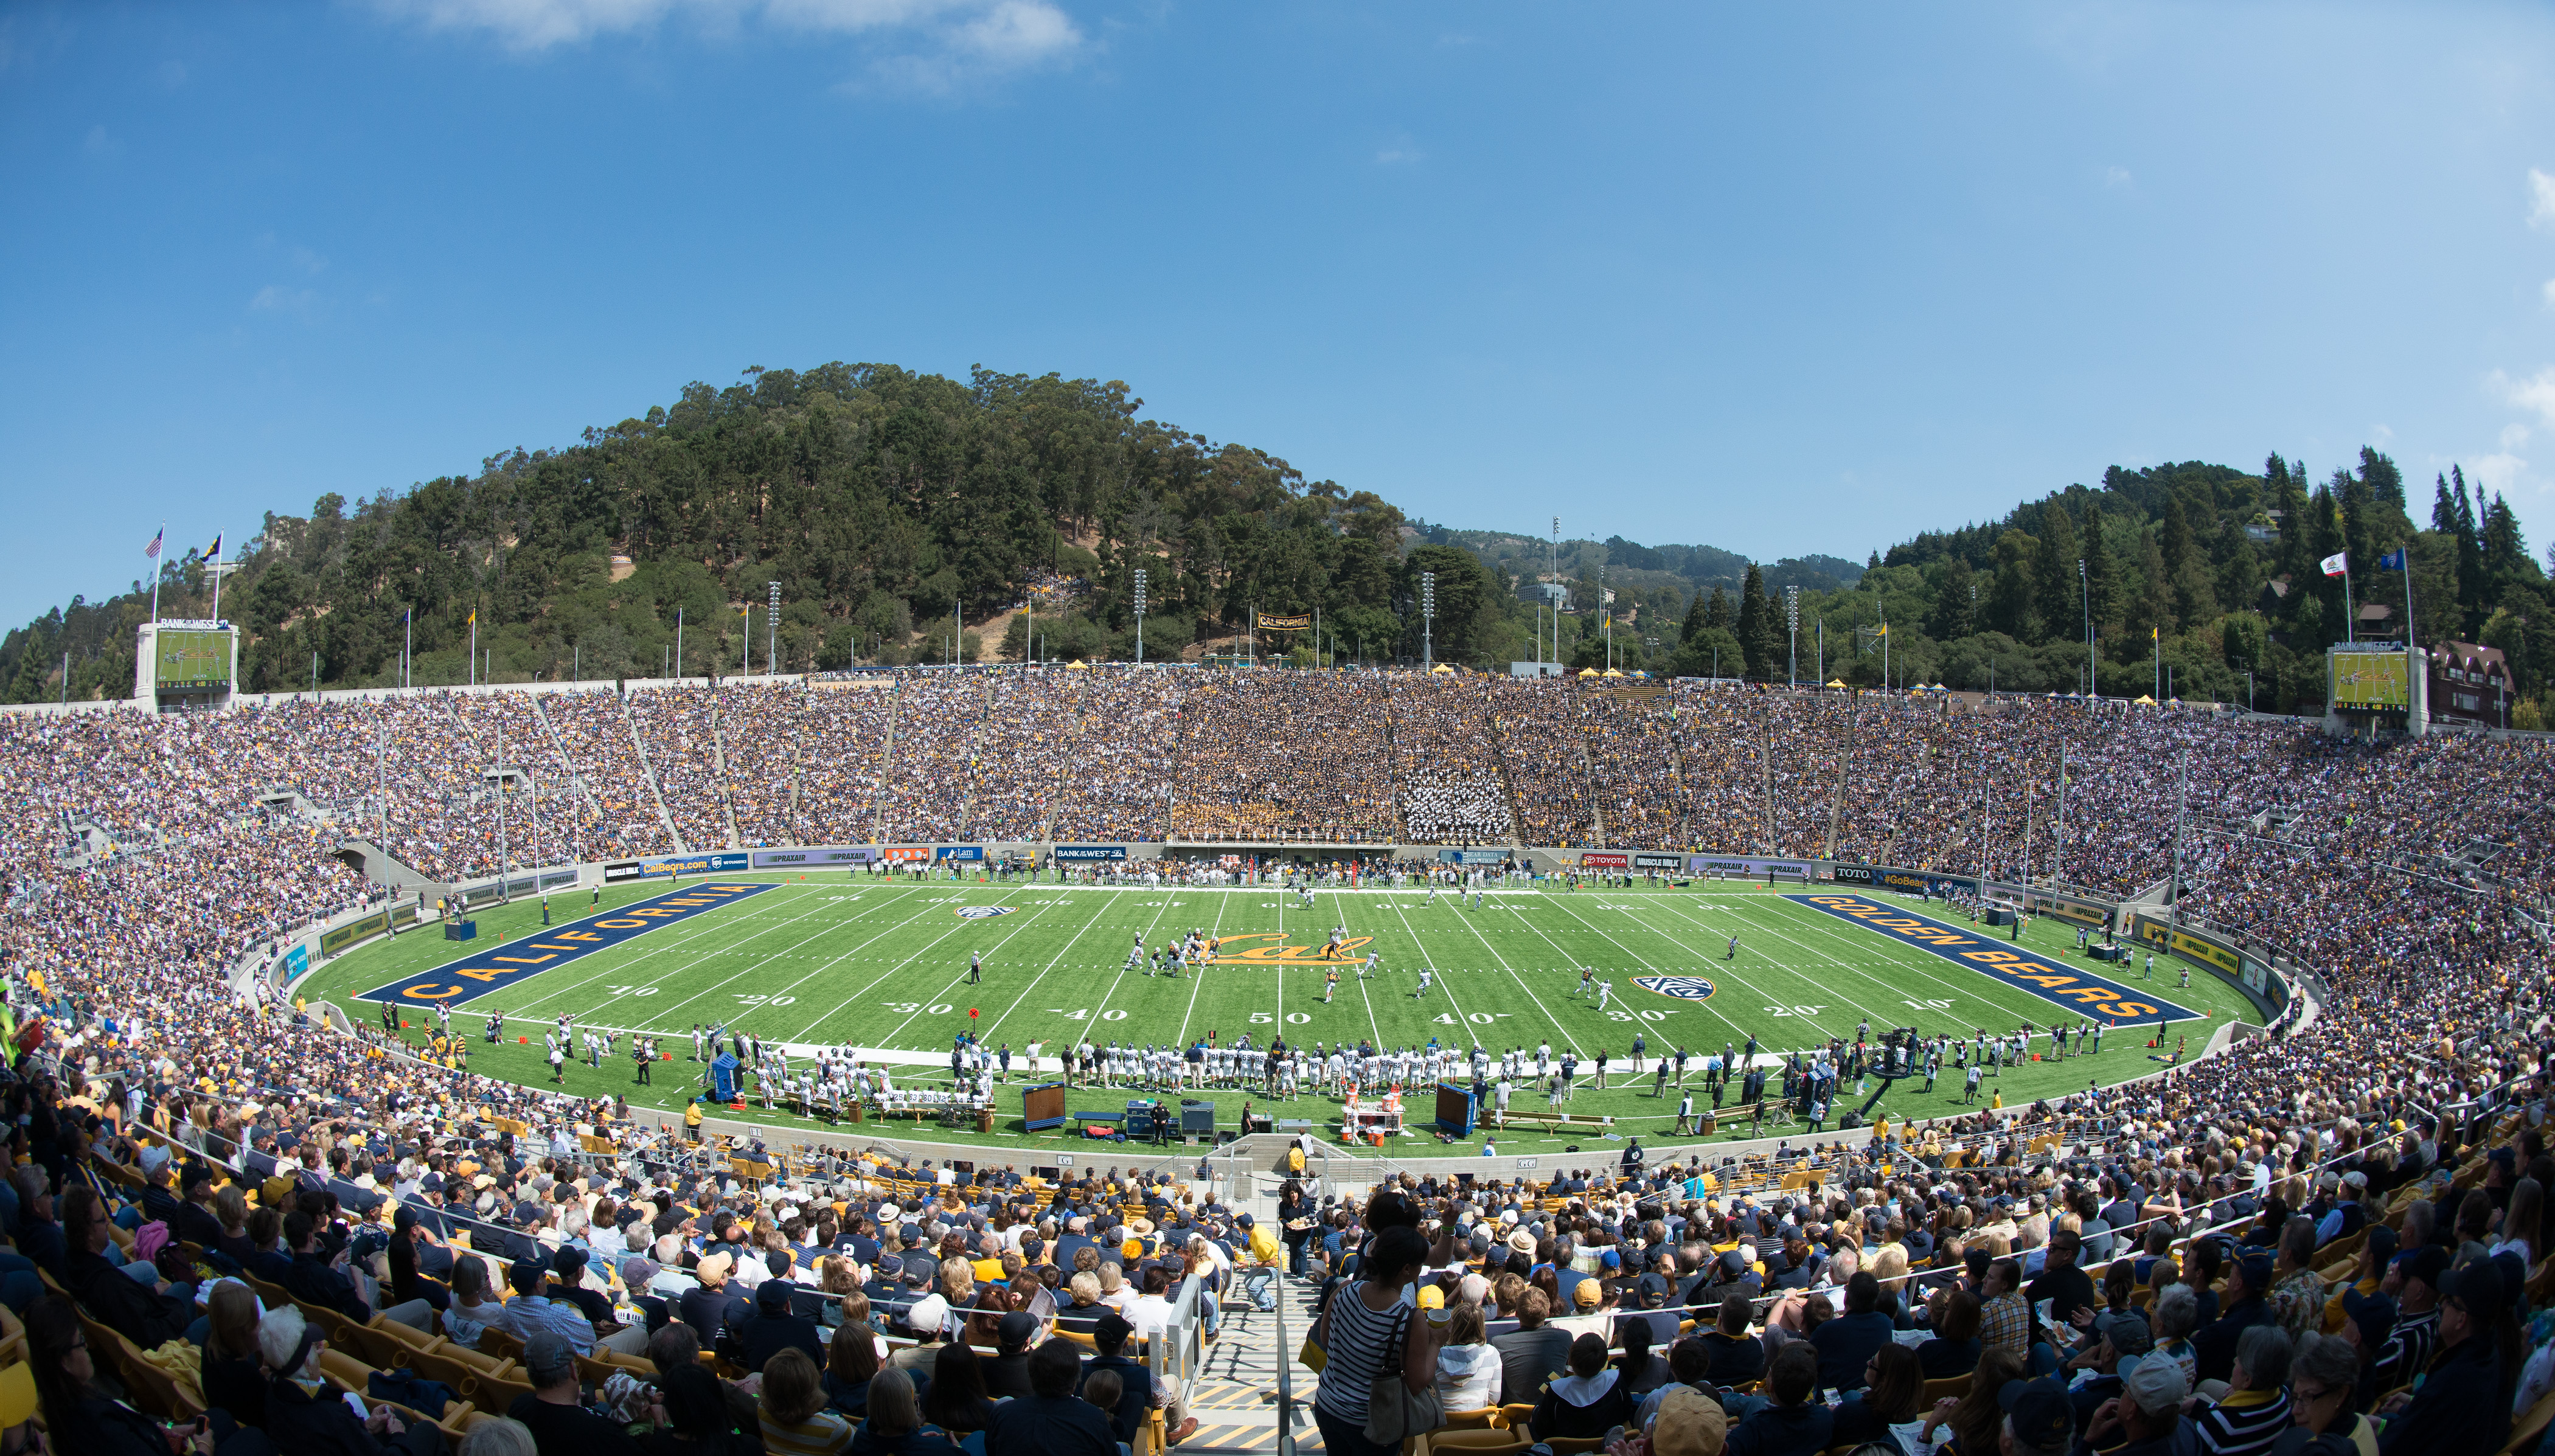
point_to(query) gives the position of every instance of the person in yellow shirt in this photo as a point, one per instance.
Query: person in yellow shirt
(1995, 1101)
(691, 1122)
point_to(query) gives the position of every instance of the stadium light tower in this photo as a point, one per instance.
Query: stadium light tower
(1140, 615)
(1427, 618)
(771, 628)
(1793, 631)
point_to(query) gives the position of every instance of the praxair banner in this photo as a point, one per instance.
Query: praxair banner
(499, 966)
(2075, 991)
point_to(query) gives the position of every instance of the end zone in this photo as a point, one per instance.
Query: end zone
(499, 966)
(2072, 989)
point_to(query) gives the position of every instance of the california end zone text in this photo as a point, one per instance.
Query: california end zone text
(2038, 974)
(477, 974)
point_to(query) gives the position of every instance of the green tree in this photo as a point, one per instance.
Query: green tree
(1759, 634)
(2055, 571)
(1955, 601)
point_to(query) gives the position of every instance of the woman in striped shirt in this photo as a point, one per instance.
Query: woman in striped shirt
(1359, 1333)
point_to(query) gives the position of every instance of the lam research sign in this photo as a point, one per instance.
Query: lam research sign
(2370, 681)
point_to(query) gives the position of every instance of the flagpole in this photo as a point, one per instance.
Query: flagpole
(473, 678)
(2348, 634)
(216, 565)
(154, 553)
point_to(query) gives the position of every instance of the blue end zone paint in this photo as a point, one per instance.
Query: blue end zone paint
(2073, 991)
(498, 967)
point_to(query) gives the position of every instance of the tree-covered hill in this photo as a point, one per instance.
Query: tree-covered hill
(890, 506)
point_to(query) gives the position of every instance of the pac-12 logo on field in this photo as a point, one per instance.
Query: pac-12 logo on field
(1683, 987)
(983, 912)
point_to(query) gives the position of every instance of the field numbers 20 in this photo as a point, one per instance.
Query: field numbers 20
(1795, 1011)
(768, 1000)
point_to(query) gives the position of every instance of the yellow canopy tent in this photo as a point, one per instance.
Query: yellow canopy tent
(1587, 671)
(1835, 682)
(1079, 665)
(1612, 672)
(2142, 698)
(1441, 668)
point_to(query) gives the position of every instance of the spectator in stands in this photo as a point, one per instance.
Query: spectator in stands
(1953, 1315)
(792, 1409)
(303, 1413)
(1790, 1421)
(1534, 1352)
(1468, 1368)
(2464, 1401)
(1588, 1401)
(1847, 1342)
(958, 1401)
(1050, 1422)
(896, 1426)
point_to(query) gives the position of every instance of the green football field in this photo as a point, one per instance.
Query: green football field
(881, 965)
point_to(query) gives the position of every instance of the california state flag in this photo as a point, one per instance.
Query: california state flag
(2337, 564)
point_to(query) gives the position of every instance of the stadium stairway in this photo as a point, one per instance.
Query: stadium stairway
(718, 761)
(647, 770)
(1235, 1394)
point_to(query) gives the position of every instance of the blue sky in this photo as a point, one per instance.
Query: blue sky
(1778, 279)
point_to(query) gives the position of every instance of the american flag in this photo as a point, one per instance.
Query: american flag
(152, 552)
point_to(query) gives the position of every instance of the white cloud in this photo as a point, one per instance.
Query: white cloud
(307, 260)
(2504, 473)
(953, 36)
(2536, 392)
(2117, 177)
(2541, 209)
(274, 297)
(2550, 292)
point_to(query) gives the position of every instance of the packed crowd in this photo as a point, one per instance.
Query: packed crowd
(1266, 756)
(1450, 786)
(2436, 1021)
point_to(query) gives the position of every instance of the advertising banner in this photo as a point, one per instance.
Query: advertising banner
(811, 858)
(905, 852)
(1675, 863)
(354, 932)
(295, 961)
(1740, 864)
(622, 870)
(1474, 856)
(701, 864)
(1074, 853)
(1595, 860)
(959, 852)
(1852, 873)
(503, 965)
(1916, 881)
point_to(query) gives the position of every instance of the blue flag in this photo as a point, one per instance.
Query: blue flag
(2391, 561)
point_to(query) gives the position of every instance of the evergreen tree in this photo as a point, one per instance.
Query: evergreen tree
(2505, 553)
(1716, 612)
(2471, 601)
(1955, 602)
(1759, 634)
(2055, 571)
(2099, 568)
(1695, 619)
(2385, 482)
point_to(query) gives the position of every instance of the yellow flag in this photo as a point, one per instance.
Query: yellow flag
(474, 618)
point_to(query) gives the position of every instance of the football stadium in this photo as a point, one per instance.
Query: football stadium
(1419, 730)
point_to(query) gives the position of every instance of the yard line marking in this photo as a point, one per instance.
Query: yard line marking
(918, 955)
(1733, 972)
(1068, 946)
(1461, 1021)
(716, 986)
(672, 945)
(1918, 970)
(1548, 1015)
(890, 930)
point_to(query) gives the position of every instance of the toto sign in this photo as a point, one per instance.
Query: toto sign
(1683, 987)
